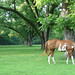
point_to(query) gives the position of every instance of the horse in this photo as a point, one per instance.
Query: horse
(60, 45)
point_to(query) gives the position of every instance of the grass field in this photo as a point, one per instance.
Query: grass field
(21, 60)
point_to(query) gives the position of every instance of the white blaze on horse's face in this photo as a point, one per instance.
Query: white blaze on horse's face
(62, 48)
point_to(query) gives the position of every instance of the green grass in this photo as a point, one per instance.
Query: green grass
(21, 60)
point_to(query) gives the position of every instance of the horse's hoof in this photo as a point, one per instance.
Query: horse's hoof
(48, 62)
(66, 62)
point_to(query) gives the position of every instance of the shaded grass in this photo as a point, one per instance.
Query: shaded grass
(24, 60)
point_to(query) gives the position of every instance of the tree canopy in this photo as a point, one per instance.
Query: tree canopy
(37, 17)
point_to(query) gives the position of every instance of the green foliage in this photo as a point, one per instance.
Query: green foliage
(41, 3)
(46, 21)
(72, 7)
(35, 11)
(4, 40)
(57, 33)
(8, 37)
(36, 40)
(12, 21)
(62, 22)
(29, 11)
(66, 21)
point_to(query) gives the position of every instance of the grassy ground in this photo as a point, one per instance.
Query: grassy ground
(21, 60)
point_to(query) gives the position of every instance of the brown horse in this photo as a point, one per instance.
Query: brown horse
(60, 45)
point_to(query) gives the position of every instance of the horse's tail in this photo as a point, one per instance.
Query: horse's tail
(46, 46)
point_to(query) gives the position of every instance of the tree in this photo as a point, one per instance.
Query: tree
(8, 37)
(66, 20)
(35, 15)
(17, 25)
(12, 21)
(13, 6)
(47, 16)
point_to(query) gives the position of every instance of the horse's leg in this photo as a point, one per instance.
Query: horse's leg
(70, 54)
(67, 59)
(49, 55)
(52, 54)
(72, 57)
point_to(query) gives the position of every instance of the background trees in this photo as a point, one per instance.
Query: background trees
(66, 19)
(38, 17)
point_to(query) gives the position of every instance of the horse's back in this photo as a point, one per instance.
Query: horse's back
(52, 43)
(68, 43)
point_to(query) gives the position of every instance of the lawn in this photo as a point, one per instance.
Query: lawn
(24, 60)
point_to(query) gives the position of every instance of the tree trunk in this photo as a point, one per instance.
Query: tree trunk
(43, 42)
(69, 34)
(25, 42)
(45, 33)
(45, 36)
(29, 40)
(42, 45)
